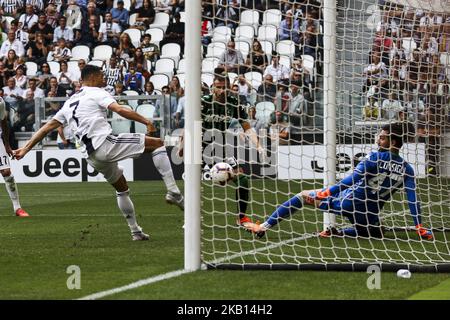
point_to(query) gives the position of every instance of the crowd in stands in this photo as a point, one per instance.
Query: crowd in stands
(271, 58)
(408, 75)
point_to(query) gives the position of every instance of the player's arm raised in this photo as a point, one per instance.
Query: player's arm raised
(131, 115)
(37, 137)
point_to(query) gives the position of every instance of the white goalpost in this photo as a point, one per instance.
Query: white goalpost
(316, 80)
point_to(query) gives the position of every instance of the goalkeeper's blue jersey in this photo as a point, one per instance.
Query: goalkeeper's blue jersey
(376, 179)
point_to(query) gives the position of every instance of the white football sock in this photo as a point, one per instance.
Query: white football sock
(11, 187)
(162, 163)
(127, 208)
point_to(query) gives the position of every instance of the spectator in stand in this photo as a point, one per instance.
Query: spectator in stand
(65, 78)
(28, 19)
(392, 108)
(276, 70)
(120, 15)
(2, 75)
(310, 41)
(55, 87)
(42, 27)
(244, 89)
(32, 88)
(52, 15)
(21, 35)
(282, 99)
(12, 94)
(267, 90)
(297, 105)
(113, 74)
(66, 139)
(289, 28)
(11, 8)
(207, 29)
(126, 48)
(376, 72)
(179, 114)
(61, 51)
(133, 79)
(135, 5)
(109, 31)
(12, 43)
(256, 59)
(145, 15)
(44, 76)
(38, 5)
(164, 6)
(63, 32)
(37, 50)
(231, 59)
(11, 62)
(24, 116)
(175, 33)
(175, 89)
(372, 107)
(279, 129)
(20, 77)
(51, 107)
(255, 123)
(89, 34)
(150, 50)
(139, 58)
(227, 13)
(177, 6)
(74, 16)
(145, 73)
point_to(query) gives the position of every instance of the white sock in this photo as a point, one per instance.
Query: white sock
(11, 187)
(162, 163)
(127, 208)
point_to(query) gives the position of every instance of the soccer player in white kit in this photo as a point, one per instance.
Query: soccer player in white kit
(85, 114)
(5, 169)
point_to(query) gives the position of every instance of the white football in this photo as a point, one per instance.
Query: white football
(221, 172)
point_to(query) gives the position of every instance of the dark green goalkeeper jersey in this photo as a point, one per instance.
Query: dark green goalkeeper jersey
(216, 115)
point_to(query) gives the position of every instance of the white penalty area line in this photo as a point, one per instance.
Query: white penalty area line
(135, 285)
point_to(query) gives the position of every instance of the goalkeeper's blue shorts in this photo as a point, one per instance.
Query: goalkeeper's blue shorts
(361, 213)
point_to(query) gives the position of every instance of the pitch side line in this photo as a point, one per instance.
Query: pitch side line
(135, 285)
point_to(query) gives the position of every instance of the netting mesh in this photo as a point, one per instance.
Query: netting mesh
(392, 65)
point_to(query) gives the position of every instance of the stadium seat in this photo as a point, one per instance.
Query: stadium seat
(263, 111)
(81, 52)
(182, 17)
(120, 124)
(310, 65)
(131, 103)
(251, 18)
(232, 76)
(255, 79)
(268, 33)
(157, 35)
(444, 59)
(409, 45)
(72, 67)
(161, 21)
(32, 68)
(267, 47)
(135, 35)
(208, 78)
(245, 33)
(243, 47)
(286, 48)
(147, 111)
(159, 81)
(171, 50)
(209, 64)
(126, 4)
(98, 63)
(165, 66)
(215, 49)
(222, 34)
(54, 67)
(102, 52)
(286, 61)
(181, 66)
(132, 19)
(272, 17)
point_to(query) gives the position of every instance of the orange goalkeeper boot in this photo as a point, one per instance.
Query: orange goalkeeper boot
(256, 228)
(21, 213)
(328, 232)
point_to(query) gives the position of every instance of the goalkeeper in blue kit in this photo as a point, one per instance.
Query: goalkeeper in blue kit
(361, 196)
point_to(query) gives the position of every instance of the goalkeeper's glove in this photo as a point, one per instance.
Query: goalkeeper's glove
(423, 232)
(320, 195)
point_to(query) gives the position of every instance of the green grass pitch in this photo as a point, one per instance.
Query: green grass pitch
(80, 224)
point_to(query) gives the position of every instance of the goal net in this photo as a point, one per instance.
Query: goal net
(317, 92)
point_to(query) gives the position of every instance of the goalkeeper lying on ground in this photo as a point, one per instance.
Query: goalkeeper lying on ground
(361, 196)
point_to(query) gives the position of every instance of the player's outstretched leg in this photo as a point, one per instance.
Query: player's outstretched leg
(11, 187)
(162, 164)
(127, 208)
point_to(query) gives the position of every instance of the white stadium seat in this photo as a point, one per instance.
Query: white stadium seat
(161, 21)
(32, 68)
(102, 52)
(120, 124)
(215, 49)
(272, 17)
(135, 35)
(171, 50)
(165, 66)
(81, 52)
(147, 111)
(159, 80)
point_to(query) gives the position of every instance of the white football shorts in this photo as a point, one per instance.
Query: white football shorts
(115, 149)
(4, 157)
